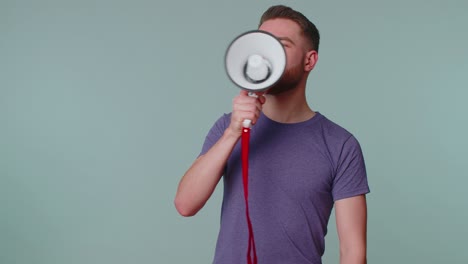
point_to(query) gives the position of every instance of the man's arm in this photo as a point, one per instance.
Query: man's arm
(351, 223)
(200, 180)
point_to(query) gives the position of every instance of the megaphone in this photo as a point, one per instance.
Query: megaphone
(255, 60)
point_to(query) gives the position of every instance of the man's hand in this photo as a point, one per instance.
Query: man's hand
(245, 107)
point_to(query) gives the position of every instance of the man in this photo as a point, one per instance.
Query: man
(301, 165)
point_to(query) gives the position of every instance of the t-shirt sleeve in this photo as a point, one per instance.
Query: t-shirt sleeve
(215, 133)
(351, 177)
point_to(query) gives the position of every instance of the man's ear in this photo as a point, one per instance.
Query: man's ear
(311, 59)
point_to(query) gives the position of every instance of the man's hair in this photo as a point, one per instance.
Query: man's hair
(308, 28)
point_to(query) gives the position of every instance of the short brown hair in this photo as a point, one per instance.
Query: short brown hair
(308, 28)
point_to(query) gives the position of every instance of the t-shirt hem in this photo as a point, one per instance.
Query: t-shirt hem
(351, 194)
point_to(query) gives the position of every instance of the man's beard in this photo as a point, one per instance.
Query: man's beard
(288, 81)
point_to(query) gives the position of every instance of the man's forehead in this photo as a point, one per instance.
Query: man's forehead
(281, 27)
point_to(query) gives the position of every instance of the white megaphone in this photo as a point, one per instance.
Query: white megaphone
(255, 61)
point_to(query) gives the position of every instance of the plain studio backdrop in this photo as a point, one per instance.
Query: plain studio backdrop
(105, 104)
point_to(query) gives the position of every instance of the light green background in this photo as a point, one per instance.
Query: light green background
(105, 104)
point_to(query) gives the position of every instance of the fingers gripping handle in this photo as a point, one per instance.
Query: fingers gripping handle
(247, 123)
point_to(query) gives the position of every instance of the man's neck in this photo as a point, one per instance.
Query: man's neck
(288, 107)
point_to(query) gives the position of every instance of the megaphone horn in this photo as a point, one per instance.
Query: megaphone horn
(255, 60)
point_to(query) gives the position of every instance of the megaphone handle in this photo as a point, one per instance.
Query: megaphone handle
(247, 123)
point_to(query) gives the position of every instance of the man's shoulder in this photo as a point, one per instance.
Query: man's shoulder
(223, 120)
(333, 130)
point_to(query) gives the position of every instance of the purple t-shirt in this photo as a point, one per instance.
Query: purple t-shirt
(296, 172)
